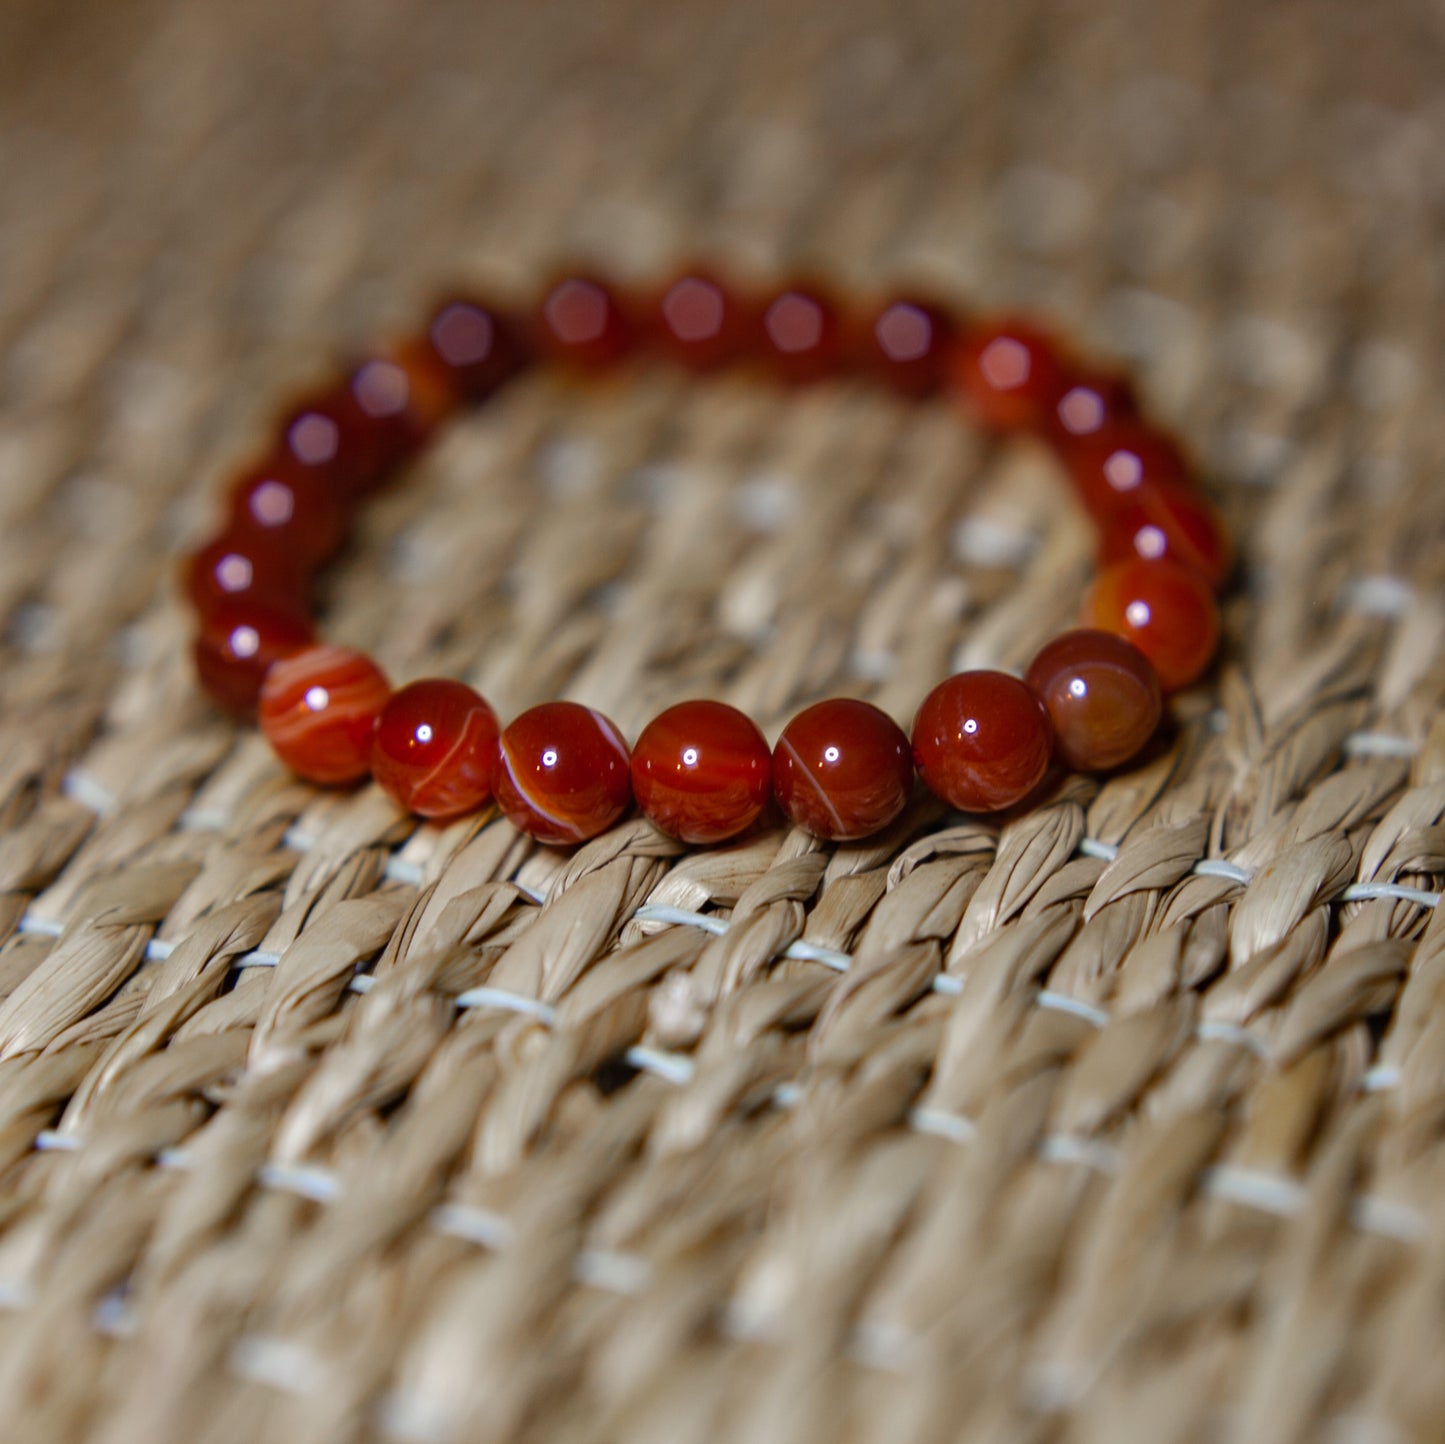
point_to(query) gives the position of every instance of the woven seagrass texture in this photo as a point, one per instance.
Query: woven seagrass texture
(1119, 1119)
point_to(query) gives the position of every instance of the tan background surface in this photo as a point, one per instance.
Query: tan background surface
(316, 1126)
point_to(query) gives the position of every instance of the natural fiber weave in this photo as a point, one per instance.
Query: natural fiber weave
(1120, 1122)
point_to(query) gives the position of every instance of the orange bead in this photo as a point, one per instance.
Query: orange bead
(239, 642)
(982, 741)
(1102, 697)
(906, 345)
(1167, 522)
(562, 773)
(292, 511)
(1115, 462)
(1008, 375)
(318, 710)
(801, 339)
(701, 772)
(1166, 610)
(433, 747)
(241, 564)
(703, 324)
(581, 323)
(842, 769)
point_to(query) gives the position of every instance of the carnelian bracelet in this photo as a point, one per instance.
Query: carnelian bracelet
(702, 771)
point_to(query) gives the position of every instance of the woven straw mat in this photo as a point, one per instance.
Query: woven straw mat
(1118, 1119)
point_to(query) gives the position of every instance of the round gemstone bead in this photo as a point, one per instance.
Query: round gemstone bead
(479, 347)
(1165, 522)
(238, 643)
(1166, 610)
(905, 344)
(329, 435)
(801, 338)
(238, 565)
(1101, 694)
(702, 324)
(1089, 403)
(402, 402)
(318, 710)
(701, 772)
(581, 322)
(842, 769)
(1116, 461)
(296, 511)
(433, 747)
(982, 741)
(562, 773)
(1008, 374)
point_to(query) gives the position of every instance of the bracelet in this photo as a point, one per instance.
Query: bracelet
(702, 771)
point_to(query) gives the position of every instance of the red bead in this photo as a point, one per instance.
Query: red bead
(906, 345)
(801, 337)
(1164, 609)
(479, 346)
(1008, 375)
(582, 323)
(239, 642)
(562, 773)
(701, 772)
(982, 741)
(318, 710)
(1116, 461)
(842, 769)
(329, 435)
(700, 323)
(238, 565)
(294, 510)
(433, 747)
(1089, 403)
(1101, 694)
(1167, 522)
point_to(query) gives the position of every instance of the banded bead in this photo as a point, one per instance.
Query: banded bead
(701, 772)
(318, 710)
(982, 741)
(561, 773)
(842, 769)
(1166, 610)
(433, 748)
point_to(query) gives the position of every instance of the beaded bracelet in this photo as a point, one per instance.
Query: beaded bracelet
(702, 771)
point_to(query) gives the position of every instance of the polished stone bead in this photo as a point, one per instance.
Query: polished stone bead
(1116, 461)
(1101, 694)
(1089, 402)
(480, 347)
(702, 323)
(318, 710)
(982, 741)
(1166, 610)
(562, 773)
(1007, 374)
(801, 339)
(238, 643)
(296, 511)
(242, 564)
(582, 323)
(842, 769)
(906, 344)
(328, 434)
(433, 748)
(701, 771)
(1167, 522)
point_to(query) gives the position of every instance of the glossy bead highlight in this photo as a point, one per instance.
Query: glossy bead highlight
(433, 748)
(562, 773)
(1101, 694)
(842, 769)
(1008, 375)
(800, 335)
(1115, 462)
(905, 345)
(1166, 610)
(581, 323)
(237, 645)
(318, 710)
(477, 345)
(294, 512)
(238, 565)
(982, 741)
(701, 772)
(703, 324)
(1167, 523)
